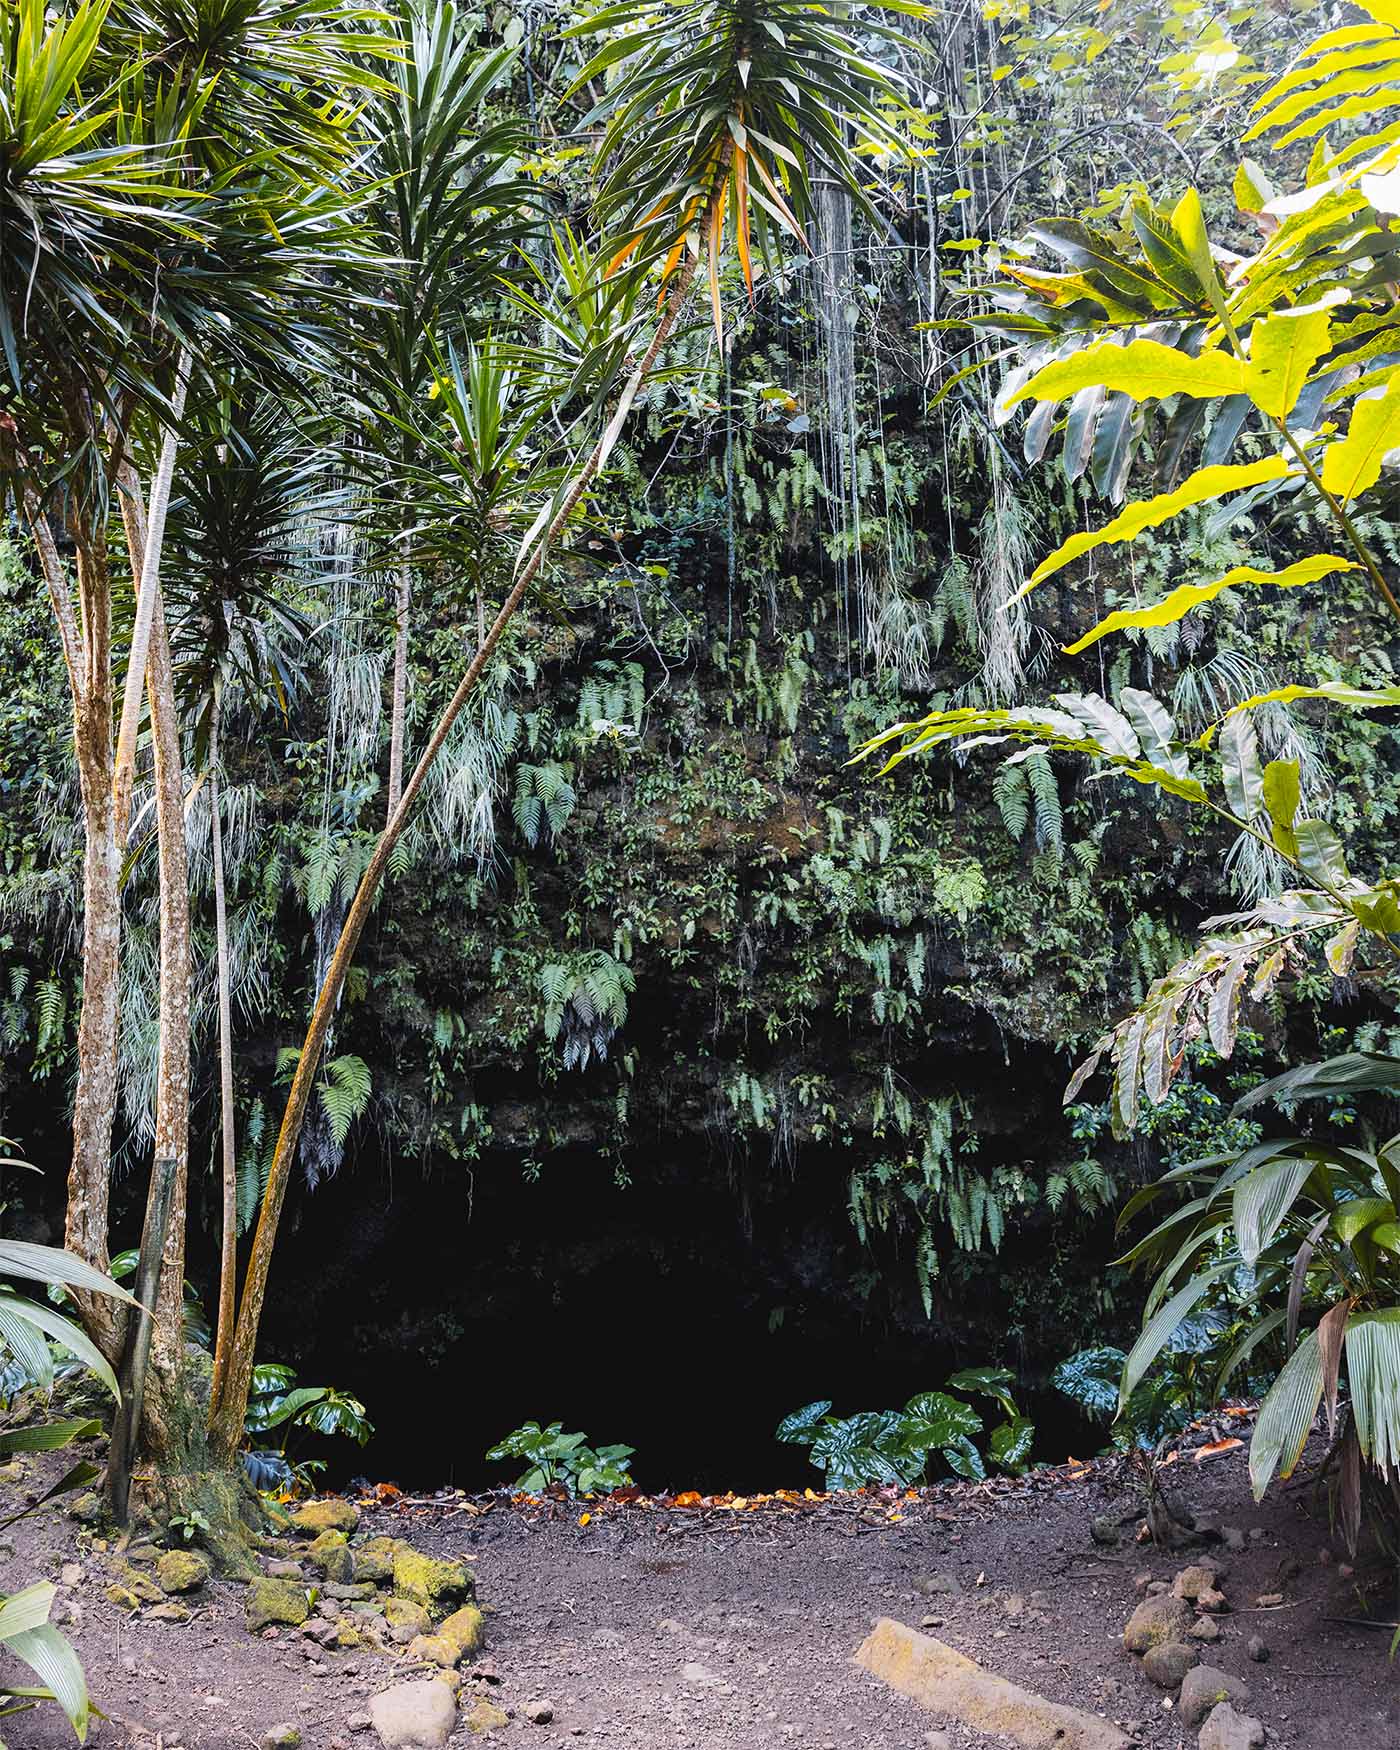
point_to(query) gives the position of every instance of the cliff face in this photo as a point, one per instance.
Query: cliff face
(675, 1035)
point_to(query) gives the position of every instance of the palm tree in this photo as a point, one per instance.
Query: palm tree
(717, 118)
(167, 210)
(235, 633)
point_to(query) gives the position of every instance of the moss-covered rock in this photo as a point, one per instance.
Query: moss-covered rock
(347, 1634)
(140, 1585)
(374, 1559)
(270, 1601)
(330, 1553)
(87, 1509)
(435, 1650)
(485, 1716)
(431, 1581)
(123, 1598)
(329, 1515)
(182, 1570)
(467, 1627)
(404, 1613)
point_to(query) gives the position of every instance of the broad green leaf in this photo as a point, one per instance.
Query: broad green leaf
(1159, 1329)
(1203, 487)
(70, 1336)
(1352, 1072)
(1281, 796)
(964, 1459)
(1373, 1373)
(48, 1436)
(1286, 1416)
(1320, 853)
(1357, 1214)
(798, 1428)
(1155, 730)
(1283, 349)
(50, 1264)
(932, 1418)
(1261, 1201)
(1009, 1445)
(1354, 463)
(1252, 189)
(26, 1609)
(56, 1665)
(1185, 596)
(1337, 692)
(1144, 369)
(990, 1382)
(1239, 766)
(1188, 221)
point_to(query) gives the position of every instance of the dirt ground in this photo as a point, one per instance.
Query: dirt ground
(733, 1629)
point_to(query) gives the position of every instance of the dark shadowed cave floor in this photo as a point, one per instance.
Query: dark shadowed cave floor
(719, 1630)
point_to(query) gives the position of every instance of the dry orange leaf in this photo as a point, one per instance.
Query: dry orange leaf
(583, 1518)
(688, 1498)
(1213, 1447)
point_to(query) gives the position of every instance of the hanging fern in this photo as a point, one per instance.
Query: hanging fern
(1011, 793)
(344, 1093)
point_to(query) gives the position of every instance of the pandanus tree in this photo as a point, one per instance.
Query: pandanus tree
(717, 118)
(157, 226)
(447, 212)
(255, 475)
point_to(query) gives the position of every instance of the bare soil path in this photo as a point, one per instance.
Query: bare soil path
(730, 1629)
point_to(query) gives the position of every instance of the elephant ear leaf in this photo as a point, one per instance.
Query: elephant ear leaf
(799, 1428)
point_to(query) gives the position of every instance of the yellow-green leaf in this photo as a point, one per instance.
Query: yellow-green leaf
(1353, 464)
(1202, 487)
(1185, 596)
(1283, 349)
(1144, 369)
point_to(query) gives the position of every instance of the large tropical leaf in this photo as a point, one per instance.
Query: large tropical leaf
(1286, 1416)
(1354, 1072)
(1373, 1373)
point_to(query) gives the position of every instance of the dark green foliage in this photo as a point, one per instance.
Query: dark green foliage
(556, 1459)
(898, 1446)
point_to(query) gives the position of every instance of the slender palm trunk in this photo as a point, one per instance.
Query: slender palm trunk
(228, 1258)
(229, 1404)
(398, 711)
(85, 636)
(173, 1059)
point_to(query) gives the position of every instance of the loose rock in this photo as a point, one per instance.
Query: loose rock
(270, 1601)
(1155, 1620)
(1168, 1662)
(1227, 1730)
(415, 1716)
(937, 1585)
(1257, 1650)
(1204, 1687)
(430, 1581)
(1206, 1628)
(485, 1716)
(435, 1650)
(285, 1737)
(467, 1627)
(330, 1515)
(539, 1713)
(182, 1570)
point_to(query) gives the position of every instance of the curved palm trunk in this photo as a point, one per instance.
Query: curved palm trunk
(230, 1393)
(228, 1258)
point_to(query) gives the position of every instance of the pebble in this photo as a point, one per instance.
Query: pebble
(931, 1622)
(539, 1713)
(1257, 1650)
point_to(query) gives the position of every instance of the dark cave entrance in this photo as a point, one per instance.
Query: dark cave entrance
(653, 1314)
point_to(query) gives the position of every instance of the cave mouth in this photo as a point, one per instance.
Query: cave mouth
(654, 1314)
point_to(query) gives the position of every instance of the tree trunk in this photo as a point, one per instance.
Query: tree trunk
(228, 1258)
(86, 640)
(398, 710)
(229, 1406)
(173, 1063)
